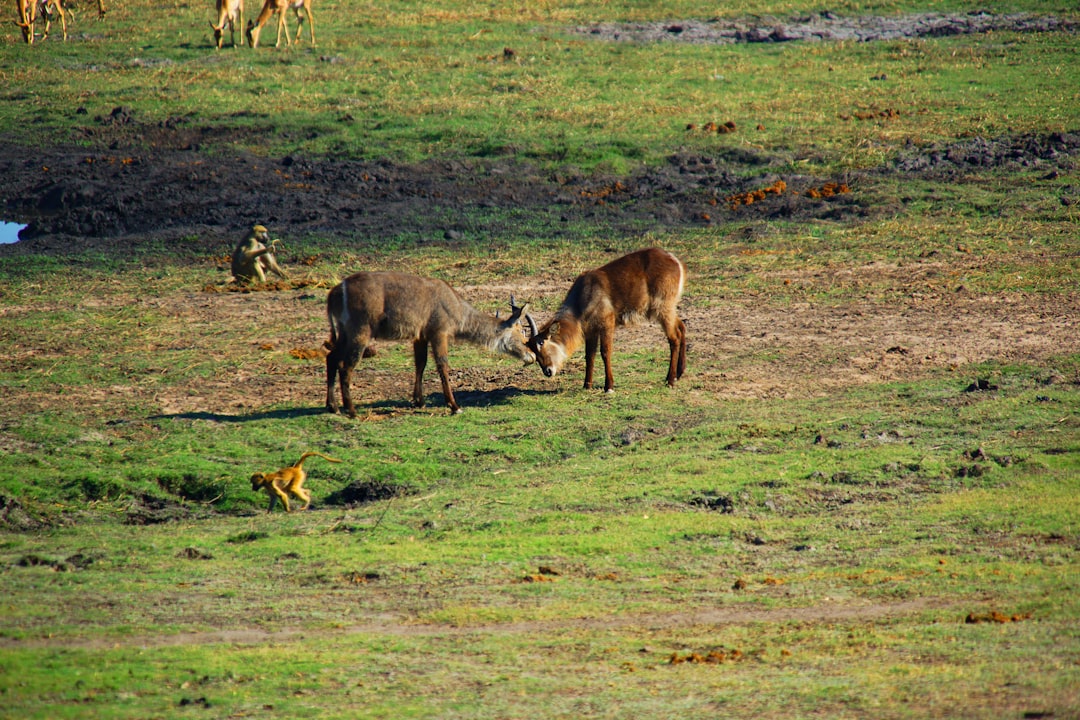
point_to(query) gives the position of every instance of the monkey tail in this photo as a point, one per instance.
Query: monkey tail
(306, 455)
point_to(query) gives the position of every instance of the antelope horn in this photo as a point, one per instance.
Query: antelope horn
(532, 324)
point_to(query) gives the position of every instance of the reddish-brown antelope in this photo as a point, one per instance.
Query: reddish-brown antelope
(280, 6)
(229, 12)
(646, 284)
(371, 306)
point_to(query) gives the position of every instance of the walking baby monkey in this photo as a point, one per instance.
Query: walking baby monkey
(254, 256)
(280, 484)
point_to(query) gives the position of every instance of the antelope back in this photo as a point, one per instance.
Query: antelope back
(393, 306)
(645, 283)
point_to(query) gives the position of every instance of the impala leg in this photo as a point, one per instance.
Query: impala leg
(283, 24)
(420, 358)
(29, 18)
(299, 23)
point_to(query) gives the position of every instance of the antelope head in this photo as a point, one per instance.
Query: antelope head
(547, 346)
(511, 337)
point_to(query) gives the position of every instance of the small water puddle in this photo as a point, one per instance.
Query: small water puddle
(9, 232)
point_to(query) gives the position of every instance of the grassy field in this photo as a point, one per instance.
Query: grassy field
(407, 81)
(861, 501)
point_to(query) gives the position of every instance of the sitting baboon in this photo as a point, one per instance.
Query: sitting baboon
(254, 256)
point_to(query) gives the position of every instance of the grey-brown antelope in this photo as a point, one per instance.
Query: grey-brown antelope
(371, 306)
(229, 12)
(280, 6)
(646, 284)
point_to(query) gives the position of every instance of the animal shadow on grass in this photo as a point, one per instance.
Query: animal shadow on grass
(476, 398)
(434, 401)
(285, 414)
